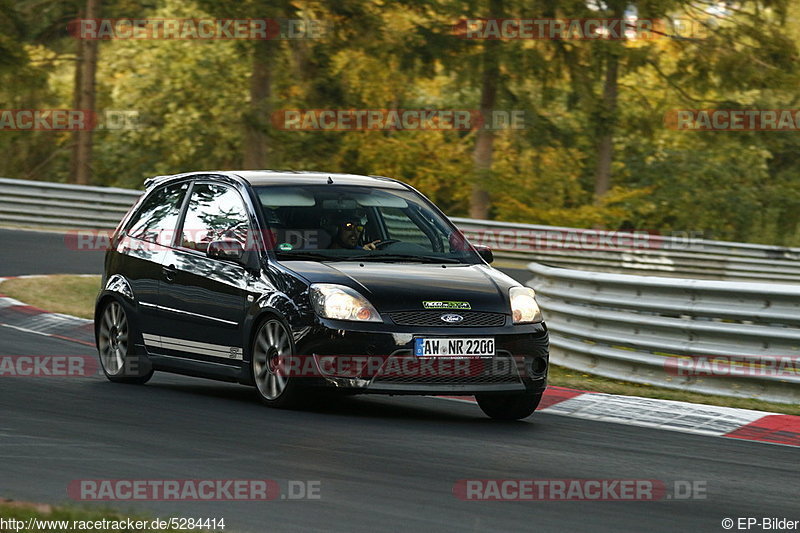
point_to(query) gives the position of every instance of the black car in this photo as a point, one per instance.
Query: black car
(292, 281)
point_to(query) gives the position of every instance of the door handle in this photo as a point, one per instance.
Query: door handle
(169, 272)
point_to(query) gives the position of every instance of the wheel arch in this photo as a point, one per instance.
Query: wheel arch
(116, 288)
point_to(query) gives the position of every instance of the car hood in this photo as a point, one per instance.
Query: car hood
(404, 286)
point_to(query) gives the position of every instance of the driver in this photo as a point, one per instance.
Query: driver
(348, 232)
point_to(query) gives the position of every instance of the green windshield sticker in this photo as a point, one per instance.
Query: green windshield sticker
(446, 305)
(285, 247)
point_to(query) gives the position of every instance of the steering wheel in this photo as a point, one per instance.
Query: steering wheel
(383, 244)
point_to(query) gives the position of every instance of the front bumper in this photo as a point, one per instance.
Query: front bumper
(379, 359)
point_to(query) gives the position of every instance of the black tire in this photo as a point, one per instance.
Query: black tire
(271, 341)
(115, 336)
(509, 406)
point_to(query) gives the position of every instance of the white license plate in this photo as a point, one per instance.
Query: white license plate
(454, 347)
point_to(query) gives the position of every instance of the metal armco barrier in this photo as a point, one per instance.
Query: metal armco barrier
(62, 206)
(642, 329)
(635, 253)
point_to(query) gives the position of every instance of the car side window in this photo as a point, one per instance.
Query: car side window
(215, 212)
(157, 218)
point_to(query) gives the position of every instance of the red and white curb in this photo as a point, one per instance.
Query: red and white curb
(20, 316)
(711, 420)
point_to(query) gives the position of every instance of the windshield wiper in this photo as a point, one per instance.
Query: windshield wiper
(402, 257)
(303, 256)
(311, 256)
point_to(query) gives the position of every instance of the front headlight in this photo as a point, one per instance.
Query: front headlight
(524, 308)
(341, 303)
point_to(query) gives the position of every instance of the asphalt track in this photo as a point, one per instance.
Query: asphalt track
(384, 464)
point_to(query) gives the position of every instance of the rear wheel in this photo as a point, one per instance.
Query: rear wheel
(508, 406)
(272, 345)
(115, 347)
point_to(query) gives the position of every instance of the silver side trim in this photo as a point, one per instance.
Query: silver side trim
(178, 311)
(206, 317)
(184, 345)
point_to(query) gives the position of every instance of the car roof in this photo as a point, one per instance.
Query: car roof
(258, 178)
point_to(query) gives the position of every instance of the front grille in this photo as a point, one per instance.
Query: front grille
(472, 319)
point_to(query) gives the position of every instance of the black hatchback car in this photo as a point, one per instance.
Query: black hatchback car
(292, 281)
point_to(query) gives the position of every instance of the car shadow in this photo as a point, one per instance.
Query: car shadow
(335, 404)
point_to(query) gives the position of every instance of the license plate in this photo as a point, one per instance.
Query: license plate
(453, 347)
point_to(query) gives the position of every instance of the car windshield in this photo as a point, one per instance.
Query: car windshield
(349, 222)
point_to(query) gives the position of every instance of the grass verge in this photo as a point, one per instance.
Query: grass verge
(71, 295)
(75, 295)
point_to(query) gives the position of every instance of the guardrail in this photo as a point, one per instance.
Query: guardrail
(58, 205)
(55, 205)
(647, 330)
(634, 252)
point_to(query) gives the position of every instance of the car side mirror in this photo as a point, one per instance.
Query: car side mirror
(485, 252)
(226, 249)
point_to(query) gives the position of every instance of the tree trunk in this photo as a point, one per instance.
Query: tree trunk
(257, 119)
(607, 120)
(76, 103)
(484, 142)
(605, 143)
(85, 100)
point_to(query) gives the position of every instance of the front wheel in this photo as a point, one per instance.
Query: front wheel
(115, 347)
(509, 406)
(272, 346)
